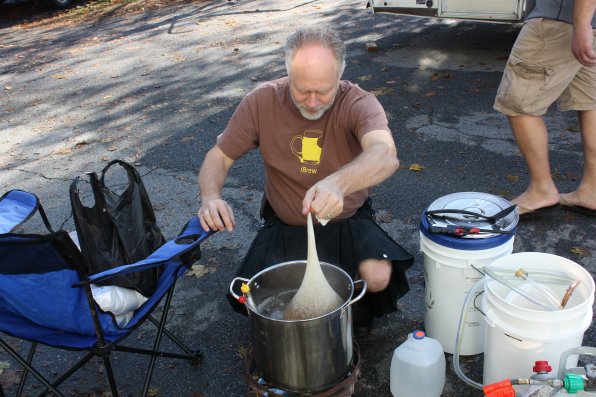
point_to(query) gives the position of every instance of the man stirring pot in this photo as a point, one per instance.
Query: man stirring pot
(324, 142)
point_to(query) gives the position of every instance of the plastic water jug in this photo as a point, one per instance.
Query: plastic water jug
(418, 367)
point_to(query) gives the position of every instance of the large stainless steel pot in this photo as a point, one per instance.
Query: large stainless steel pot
(301, 355)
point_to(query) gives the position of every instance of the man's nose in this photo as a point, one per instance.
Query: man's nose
(312, 101)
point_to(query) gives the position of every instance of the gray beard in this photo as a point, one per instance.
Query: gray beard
(312, 116)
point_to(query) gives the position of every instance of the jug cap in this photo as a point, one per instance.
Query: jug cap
(542, 366)
(573, 383)
(418, 334)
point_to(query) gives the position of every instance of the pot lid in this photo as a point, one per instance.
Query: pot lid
(472, 210)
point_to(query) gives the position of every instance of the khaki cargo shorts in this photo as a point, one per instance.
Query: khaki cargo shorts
(542, 69)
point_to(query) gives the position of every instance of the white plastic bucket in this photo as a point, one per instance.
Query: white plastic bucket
(448, 277)
(518, 333)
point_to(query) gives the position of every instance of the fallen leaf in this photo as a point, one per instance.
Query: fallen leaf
(105, 158)
(112, 148)
(65, 150)
(431, 93)
(437, 76)
(416, 167)
(581, 251)
(382, 91)
(199, 270)
(242, 352)
(513, 178)
(152, 391)
(4, 365)
(371, 46)
(385, 218)
(11, 378)
(365, 78)
(58, 76)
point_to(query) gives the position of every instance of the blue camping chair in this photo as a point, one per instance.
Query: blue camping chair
(46, 297)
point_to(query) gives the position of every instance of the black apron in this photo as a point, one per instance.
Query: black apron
(344, 243)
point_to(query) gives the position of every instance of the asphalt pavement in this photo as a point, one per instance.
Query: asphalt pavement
(156, 88)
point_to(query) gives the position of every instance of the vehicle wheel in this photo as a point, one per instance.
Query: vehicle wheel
(57, 4)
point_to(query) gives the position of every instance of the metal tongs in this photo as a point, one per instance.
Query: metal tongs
(460, 230)
(492, 219)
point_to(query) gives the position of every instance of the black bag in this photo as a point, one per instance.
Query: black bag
(118, 229)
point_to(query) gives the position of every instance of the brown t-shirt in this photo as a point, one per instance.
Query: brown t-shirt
(298, 152)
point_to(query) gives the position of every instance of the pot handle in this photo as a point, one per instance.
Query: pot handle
(361, 294)
(245, 280)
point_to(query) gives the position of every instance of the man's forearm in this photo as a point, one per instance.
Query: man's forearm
(583, 12)
(213, 174)
(370, 168)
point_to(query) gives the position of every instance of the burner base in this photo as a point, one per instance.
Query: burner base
(259, 387)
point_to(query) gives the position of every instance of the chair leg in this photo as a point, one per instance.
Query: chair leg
(110, 374)
(29, 368)
(25, 370)
(72, 370)
(174, 338)
(157, 342)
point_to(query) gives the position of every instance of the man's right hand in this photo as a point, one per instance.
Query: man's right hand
(582, 46)
(216, 214)
(583, 32)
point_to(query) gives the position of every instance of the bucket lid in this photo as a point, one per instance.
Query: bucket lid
(484, 204)
(477, 211)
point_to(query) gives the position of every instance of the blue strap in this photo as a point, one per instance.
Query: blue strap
(188, 239)
(16, 207)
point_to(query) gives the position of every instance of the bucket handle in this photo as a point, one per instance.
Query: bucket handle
(576, 350)
(245, 280)
(361, 294)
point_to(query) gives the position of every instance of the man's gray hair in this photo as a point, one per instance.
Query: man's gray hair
(320, 34)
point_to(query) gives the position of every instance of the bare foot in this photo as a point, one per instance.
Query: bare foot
(529, 202)
(576, 199)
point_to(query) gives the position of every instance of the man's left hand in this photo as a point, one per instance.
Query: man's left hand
(325, 200)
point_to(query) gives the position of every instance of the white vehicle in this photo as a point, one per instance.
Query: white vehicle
(485, 10)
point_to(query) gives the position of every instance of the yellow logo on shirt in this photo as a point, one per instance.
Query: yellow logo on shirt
(306, 148)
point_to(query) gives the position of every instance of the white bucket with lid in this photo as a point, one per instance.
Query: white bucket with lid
(518, 333)
(449, 263)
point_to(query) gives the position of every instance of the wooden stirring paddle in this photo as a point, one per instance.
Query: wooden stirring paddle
(315, 297)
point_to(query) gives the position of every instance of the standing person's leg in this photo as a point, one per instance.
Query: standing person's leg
(585, 195)
(540, 69)
(532, 138)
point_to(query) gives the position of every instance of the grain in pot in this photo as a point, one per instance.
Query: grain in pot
(315, 297)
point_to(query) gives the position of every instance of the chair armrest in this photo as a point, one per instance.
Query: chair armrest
(192, 235)
(16, 207)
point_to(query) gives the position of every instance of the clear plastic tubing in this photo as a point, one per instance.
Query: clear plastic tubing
(492, 272)
(460, 333)
(521, 273)
(489, 272)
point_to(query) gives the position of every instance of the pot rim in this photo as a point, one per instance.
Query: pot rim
(346, 303)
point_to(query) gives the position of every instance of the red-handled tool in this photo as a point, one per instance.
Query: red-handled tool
(461, 231)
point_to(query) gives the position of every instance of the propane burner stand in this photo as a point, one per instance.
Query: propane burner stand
(344, 387)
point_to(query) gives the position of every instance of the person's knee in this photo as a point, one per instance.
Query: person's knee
(376, 273)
